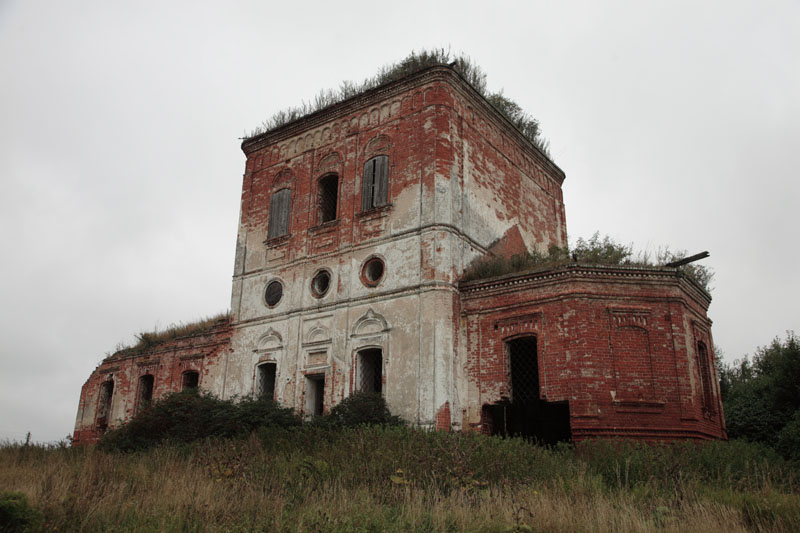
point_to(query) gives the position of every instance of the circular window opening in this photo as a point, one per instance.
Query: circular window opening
(321, 283)
(274, 293)
(373, 271)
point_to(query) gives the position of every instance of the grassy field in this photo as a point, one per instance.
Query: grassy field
(399, 479)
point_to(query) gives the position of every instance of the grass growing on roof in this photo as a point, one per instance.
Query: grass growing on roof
(148, 339)
(412, 63)
(594, 251)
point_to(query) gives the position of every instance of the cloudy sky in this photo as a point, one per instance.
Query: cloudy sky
(677, 124)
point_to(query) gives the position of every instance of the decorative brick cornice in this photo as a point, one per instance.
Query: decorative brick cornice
(584, 272)
(388, 90)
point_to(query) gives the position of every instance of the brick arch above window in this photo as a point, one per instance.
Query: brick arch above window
(380, 144)
(283, 179)
(329, 163)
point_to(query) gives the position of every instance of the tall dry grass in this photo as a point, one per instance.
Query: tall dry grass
(372, 479)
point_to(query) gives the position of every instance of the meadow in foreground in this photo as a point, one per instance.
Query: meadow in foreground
(318, 478)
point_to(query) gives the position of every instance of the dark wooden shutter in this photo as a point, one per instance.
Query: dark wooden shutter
(366, 185)
(279, 211)
(381, 187)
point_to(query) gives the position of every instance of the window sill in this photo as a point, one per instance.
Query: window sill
(375, 212)
(275, 242)
(325, 227)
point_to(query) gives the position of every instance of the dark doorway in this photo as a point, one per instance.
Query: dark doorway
(266, 381)
(524, 414)
(315, 394)
(370, 370)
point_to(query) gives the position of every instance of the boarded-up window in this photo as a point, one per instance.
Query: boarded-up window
(266, 381)
(705, 377)
(375, 185)
(328, 198)
(279, 210)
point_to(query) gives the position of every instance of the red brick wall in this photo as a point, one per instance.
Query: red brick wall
(166, 362)
(617, 344)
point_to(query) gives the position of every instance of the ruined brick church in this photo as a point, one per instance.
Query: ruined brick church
(357, 224)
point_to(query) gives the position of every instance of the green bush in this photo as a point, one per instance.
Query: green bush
(188, 416)
(17, 515)
(362, 408)
(761, 396)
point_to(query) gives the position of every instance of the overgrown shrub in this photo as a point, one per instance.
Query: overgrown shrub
(761, 396)
(187, 416)
(361, 408)
(17, 515)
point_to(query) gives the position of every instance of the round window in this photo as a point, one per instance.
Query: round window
(320, 283)
(274, 293)
(372, 272)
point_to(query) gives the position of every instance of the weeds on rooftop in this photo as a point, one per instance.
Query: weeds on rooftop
(149, 339)
(594, 251)
(412, 63)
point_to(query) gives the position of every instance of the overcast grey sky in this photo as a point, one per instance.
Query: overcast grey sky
(676, 123)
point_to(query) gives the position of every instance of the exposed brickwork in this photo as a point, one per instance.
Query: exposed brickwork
(167, 362)
(617, 343)
(616, 348)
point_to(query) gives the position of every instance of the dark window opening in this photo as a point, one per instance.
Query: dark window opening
(146, 383)
(375, 184)
(320, 283)
(372, 272)
(279, 210)
(525, 414)
(328, 198)
(274, 293)
(190, 380)
(104, 404)
(266, 381)
(705, 377)
(370, 370)
(315, 394)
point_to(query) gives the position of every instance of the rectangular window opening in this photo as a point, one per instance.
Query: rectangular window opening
(328, 198)
(190, 380)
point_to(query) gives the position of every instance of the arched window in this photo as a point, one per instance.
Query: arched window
(146, 383)
(265, 380)
(370, 370)
(327, 197)
(375, 185)
(279, 211)
(104, 404)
